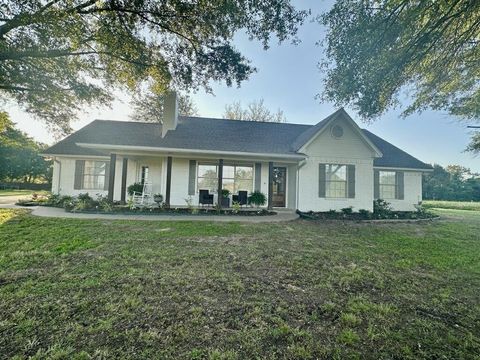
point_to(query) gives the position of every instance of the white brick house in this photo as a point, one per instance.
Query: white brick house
(331, 165)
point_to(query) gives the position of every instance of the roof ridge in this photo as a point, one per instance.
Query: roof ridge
(245, 121)
(125, 121)
(202, 118)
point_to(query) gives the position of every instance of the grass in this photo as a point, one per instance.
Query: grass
(457, 205)
(185, 290)
(21, 192)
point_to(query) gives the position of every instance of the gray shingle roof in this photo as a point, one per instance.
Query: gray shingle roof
(393, 156)
(214, 134)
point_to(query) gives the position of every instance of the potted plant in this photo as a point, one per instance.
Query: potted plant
(135, 188)
(257, 198)
(158, 198)
(225, 198)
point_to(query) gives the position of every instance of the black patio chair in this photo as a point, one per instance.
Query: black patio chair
(204, 198)
(241, 198)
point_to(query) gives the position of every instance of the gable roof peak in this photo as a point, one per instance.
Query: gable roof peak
(307, 136)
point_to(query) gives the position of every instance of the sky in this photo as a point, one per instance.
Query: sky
(288, 78)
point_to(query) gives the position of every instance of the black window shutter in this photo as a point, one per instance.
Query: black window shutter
(322, 180)
(400, 182)
(79, 171)
(351, 181)
(192, 174)
(376, 184)
(107, 175)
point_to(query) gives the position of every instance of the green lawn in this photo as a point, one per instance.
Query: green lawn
(188, 290)
(458, 205)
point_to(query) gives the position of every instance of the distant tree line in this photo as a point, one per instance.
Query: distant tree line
(454, 182)
(20, 159)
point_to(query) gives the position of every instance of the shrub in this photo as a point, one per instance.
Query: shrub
(257, 198)
(382, 209)
(57, 200)
(135, 187)
(69, 205)
(236, 207)
(104, 203)
(189, 202)
(422, 212)
(225, 193)
(365, 214)
(131, 204)
(347, 210)
(84, 202)
(54, 200)
(65, 198)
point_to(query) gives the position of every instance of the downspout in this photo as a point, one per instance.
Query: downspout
(59, 174)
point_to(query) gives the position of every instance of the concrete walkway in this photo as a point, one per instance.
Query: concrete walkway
(43, 211)
(8, 200)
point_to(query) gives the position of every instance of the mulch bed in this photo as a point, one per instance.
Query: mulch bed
(397, 216)
(180, 211)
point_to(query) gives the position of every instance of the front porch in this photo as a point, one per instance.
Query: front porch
(181, 179)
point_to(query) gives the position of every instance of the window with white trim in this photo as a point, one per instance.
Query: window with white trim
(387, 182)
(94, 174)
(336, 181)
(235, 178)
(207, 178)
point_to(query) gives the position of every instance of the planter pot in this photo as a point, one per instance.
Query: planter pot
(225, 202)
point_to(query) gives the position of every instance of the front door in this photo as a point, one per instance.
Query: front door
(279, 186)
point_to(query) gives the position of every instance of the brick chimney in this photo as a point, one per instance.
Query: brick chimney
(170, 112)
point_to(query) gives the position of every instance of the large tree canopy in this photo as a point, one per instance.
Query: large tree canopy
(256, 111)
(376, 49)
(59, 56)
(20, 158)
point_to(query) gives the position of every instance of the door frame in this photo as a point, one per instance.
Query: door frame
(285, 194)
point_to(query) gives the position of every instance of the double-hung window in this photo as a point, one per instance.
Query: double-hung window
(336, 181)
(91, 175)
(237, 178)
(387, 184)
(207, 177)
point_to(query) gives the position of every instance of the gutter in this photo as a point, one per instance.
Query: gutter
(401, 169)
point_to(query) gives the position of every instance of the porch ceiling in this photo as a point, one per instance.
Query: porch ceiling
(192, 153)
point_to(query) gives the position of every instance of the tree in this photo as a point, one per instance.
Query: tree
(376, 49)
(149, 107)
(59, 56)
(454, 182)
(474, 145)
(255, 111)
(21, 159)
